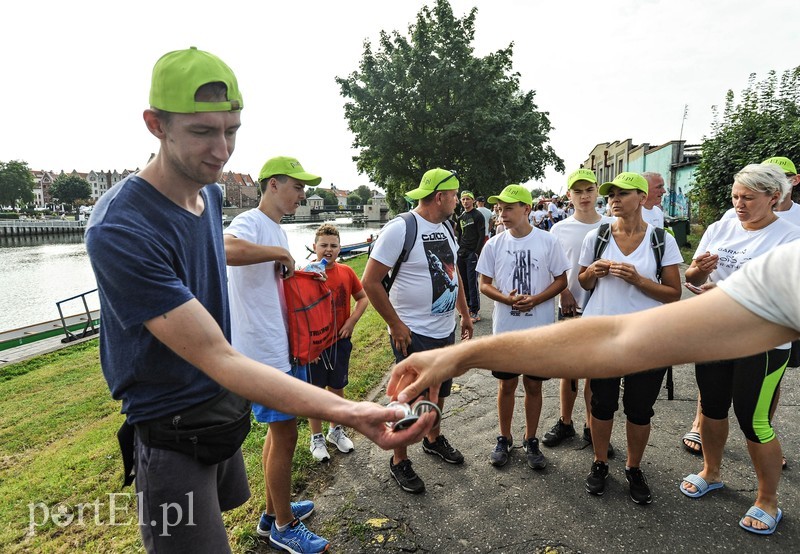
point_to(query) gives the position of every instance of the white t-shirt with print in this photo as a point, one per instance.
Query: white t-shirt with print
(654, 216)
(613, 295)
(735, 245)
(528, 264)
(570, 234)
(425, 290)
(767, 286)
(259, 325)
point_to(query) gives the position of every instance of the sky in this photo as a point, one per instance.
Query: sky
(76, 75)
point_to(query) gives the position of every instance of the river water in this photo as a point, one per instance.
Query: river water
(37, 272)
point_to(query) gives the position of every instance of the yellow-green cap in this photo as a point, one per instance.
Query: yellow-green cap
(784, 163)
(468, 194)
(581, 175)
(177, 76)
(626, 180)
(511, 194)
(433, 180)
(284, 165)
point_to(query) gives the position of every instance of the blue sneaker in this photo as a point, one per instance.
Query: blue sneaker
(300, 510)
(297, 539)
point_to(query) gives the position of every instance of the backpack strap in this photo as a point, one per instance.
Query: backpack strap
(603, 237)
(657, 243)
(408, 243)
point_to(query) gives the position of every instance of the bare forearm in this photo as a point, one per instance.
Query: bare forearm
(242, 252)
(380, 301)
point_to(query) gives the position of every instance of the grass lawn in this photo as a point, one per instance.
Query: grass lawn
(60, 469)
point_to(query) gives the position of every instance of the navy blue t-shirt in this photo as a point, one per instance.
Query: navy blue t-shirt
(150, 256)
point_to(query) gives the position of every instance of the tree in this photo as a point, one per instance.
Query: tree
(354, 199)
(16, 183)
(427, 101)
(363, 193)
(764, 123)
(67, 189)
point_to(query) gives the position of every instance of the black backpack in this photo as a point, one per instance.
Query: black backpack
(408, 244)
(656, 243)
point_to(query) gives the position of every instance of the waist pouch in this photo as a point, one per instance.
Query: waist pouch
(209, 432)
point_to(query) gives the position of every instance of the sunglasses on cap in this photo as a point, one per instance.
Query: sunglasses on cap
(451, 176)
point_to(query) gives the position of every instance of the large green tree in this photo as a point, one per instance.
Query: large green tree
(425, 100)
(364, 193)
(764, 122)
(67, 189)
(16, 183)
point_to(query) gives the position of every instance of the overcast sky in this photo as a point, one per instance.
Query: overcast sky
(76, 74)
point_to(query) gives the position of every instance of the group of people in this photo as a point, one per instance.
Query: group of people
(195, 328)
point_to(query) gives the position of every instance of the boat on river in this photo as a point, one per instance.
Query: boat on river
(72, 327)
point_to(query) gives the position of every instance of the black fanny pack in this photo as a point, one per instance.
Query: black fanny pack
(209, 432)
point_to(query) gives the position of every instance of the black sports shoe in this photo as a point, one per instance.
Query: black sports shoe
(406, 477)
(558, 433)
(596, 481)
(441, 447)
(536, 459)
(640, 491)
(499, 456)
(587, 436)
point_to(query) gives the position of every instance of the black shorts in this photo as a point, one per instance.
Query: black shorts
(503, 376)
(331, 369)
(421, 343)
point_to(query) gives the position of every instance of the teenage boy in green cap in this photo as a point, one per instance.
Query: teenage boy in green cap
(522, 270)
(582, 192)
(257, 251)
(155, 244)
(421, 305)
(471, 235)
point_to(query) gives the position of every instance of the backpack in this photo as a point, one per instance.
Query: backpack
(408, 244)
(656, 243)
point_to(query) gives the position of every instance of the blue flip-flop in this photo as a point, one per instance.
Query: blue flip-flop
(758, 514)
(700, 484)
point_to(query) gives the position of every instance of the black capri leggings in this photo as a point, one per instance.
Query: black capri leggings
(641, 393)
(750, 383)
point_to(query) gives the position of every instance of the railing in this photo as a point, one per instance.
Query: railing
(88, 329)
(59, 223)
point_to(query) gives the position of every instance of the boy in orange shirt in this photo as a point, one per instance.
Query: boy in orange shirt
(330, 370)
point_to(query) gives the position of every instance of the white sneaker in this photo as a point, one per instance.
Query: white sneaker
(338, 437)
(318, 449)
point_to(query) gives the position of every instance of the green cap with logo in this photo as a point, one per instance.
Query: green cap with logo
(784, 163)
(626, 180)
(434, 180)
(284, 165)
(468, 194)
(177, 76)
(511, 194)
(581, 175)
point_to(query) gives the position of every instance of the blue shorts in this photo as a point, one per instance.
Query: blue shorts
(268, 415)
(331, 368)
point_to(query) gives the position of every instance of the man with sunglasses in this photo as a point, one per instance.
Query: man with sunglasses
(420, 307)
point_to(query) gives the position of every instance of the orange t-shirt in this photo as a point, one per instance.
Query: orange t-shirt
(343, 283)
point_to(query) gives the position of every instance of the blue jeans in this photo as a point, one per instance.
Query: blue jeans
(466, 267)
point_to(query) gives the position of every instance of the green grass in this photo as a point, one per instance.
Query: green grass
(58, 446)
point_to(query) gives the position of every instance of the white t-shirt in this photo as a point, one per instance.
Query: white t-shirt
(734, 245)
(792, 215)
(612, 295)
(425, 290)
(552, 209)
(487, 215)
(570, 234)
(529, 265)
(259, 325)
(768, 287)
(654, 216)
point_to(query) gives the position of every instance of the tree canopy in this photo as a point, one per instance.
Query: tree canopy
(765, 122)
(425, 100)
(16, 183)
(364, 193)
(68, 189)
(328, 198)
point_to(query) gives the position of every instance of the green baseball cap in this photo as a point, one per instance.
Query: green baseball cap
(468, 194)
(433, 180)
(177, 76)
(284, 165)
(581, 175)
(511, 194)
(784, 163)
(626, 180)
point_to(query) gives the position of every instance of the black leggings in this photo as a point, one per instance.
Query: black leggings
(750, 383)
(641, 393)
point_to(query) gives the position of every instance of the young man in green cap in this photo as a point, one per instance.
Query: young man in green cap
(421, 305)
(471, 234)
(257, 251)
(522, 270)
(156, 248)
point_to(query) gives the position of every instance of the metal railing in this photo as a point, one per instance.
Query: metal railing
(89, 329)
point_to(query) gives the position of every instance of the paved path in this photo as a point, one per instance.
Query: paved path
(478, 508)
